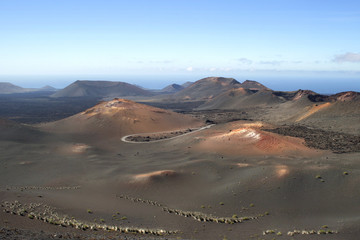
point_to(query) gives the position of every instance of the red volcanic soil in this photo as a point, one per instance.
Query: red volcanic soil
(241, 138)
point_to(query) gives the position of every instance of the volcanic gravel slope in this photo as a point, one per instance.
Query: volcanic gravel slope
(120, 117)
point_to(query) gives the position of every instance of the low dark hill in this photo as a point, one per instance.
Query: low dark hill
(173, 88)
(100, 89)
(6, 88)
(9, 88)
(47, 88)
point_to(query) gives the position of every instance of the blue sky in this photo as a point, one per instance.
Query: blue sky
(180, 38)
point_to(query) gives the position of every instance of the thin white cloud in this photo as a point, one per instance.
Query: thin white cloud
(271, 62)
(152, 62)
(347, 57)
(189, 69)
(245, 61)
(161, 61)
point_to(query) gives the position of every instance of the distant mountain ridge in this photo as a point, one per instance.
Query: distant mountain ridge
(47, 88)
(172, 88)
(211, 87)
(186, 84)
(206, 88)
(253, 85)
(101, 89)
(240, 98)
(202, 89)
(9, 88)
(6, 88)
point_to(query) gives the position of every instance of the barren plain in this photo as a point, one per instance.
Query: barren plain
(244, 164)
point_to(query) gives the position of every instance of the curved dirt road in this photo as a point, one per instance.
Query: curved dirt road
(138, 134)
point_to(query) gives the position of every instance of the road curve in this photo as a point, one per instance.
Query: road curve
(165, 139)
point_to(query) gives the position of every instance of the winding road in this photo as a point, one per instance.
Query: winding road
(165, 139)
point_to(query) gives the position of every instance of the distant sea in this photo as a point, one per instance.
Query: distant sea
(317, 84)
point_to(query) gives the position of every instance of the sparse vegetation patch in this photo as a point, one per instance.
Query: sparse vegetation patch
(300, 232)
(198, 216)
(48, 214)
(22, 188)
